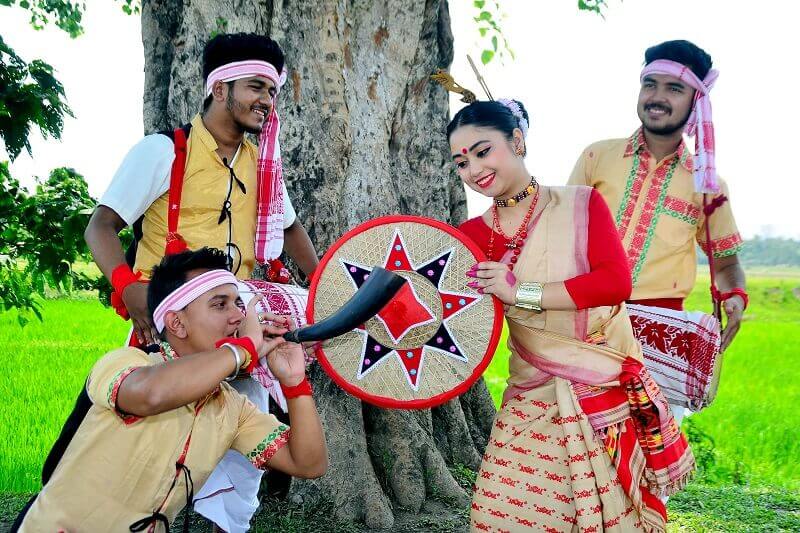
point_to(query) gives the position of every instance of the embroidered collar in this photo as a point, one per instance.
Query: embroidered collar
(168, 353)
(636, 143)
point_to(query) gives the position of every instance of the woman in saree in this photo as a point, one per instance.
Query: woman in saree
(584, 440)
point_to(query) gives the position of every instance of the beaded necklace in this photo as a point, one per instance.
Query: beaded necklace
(516, 241)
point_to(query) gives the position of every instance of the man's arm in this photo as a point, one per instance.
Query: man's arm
(730, 275)
(306, 454)
(141, 178)
(159, 388)
(151, 390)
(102, 237)
(300, 248)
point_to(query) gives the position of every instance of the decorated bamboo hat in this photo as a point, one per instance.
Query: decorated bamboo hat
(433, 340)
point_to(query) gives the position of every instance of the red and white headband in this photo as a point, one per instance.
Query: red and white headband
(699, 124)
(189, 292)
(245, 69)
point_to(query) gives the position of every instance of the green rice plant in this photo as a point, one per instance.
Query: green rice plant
(44, 367)
(753, 422)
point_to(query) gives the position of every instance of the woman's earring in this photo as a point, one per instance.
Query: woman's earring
(520, 151)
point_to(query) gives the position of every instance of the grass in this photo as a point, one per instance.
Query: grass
(747, 440)
(44, 367)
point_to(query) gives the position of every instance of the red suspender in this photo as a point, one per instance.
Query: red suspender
(175, 243)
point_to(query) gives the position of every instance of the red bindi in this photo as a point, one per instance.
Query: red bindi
(464, 151)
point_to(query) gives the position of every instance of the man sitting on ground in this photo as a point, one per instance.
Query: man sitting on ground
(161, 422)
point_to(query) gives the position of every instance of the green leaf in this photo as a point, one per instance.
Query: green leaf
(494, 42)
(479, 3)
(487, 56)
(483, 31)
(485, 15)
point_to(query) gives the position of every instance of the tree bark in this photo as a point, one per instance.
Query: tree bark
(362, 136)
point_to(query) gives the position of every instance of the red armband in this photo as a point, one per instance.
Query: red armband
(736, 291)
(301, 389)
(121, 277)
(247, 344)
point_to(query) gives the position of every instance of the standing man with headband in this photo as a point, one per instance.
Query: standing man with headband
(230, 194)
(160, 422)
(665, 199)
(207, 186)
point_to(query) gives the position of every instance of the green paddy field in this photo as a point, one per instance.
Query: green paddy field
(747, 442)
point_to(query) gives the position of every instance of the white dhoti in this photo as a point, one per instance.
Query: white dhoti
(229, 497)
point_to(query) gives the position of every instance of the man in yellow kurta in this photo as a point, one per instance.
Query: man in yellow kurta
(655, 187)
(160, 422)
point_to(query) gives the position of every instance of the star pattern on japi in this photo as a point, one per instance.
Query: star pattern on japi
(407, 312)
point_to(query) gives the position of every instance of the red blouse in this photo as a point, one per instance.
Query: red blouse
(608, 281)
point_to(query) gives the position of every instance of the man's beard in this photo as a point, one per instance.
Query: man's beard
(235, 106)
(667, 129)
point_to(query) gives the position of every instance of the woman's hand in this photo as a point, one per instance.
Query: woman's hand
(494, 278)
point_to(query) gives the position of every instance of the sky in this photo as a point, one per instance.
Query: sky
(576, 73)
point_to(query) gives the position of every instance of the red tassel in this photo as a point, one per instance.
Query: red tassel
(715, 203)
(277, 272)
(175, 244)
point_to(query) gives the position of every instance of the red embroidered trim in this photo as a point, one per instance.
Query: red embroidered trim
(633, 198)
(262, 457)
(724, 246)
(682, 206)
(112, 396)
(646, 218)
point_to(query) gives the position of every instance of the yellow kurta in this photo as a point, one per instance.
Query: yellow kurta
(658, 215)
(119, 468)
(206, 182)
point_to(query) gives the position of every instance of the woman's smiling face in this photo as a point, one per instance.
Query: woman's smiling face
(485, 160)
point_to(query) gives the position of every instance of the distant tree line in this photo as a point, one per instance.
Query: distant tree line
(766, 251)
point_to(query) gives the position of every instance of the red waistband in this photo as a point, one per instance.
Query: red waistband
(669, 303)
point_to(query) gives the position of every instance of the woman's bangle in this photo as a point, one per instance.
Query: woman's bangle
(529, 296)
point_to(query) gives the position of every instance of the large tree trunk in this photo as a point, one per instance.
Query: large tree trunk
(362, 136)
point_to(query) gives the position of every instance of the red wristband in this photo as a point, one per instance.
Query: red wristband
(122, 276)
(247, 344)
(301, 389)
(736, 291)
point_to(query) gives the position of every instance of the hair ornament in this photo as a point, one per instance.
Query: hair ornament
(513, 106)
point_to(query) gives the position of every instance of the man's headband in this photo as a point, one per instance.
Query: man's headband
(245, 69)
(700, 123)
(189, 292)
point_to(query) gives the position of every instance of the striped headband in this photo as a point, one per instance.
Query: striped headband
(699, 124)
(189, 292)
(244, 69)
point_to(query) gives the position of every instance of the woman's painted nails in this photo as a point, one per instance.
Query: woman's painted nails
(472, 273)
(472, 284)
(480, 291)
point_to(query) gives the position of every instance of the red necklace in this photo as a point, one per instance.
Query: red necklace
(516, 241)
